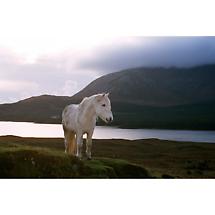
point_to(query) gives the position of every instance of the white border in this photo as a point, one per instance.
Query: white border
(107, 197)
(124, 18)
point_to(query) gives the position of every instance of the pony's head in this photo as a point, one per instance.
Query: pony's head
(103, 107)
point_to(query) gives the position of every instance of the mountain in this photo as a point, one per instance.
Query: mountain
(156, 86)
(179, 98)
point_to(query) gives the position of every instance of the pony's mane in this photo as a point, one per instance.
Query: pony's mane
(87, 100)
(83, 102)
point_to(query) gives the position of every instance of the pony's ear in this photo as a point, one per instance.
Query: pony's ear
(105, 94)
(99, 97)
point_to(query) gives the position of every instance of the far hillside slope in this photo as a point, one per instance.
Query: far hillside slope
(176, 98)
(44, 108)
(156, 86)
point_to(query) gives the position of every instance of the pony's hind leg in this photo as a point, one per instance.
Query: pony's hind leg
(69, 141)
(65, 145)
(89, 145)
(72, 143)
(79, 145)
(65, 138)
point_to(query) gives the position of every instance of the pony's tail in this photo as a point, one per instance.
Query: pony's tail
(70, 142)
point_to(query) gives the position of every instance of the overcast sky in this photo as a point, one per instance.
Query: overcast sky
(44, 50)
(66, 71)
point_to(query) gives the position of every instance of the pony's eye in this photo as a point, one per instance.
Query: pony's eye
(103, 105)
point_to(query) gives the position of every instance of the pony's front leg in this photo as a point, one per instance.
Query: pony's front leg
(66, 145)
(89, 145)
(79, 145)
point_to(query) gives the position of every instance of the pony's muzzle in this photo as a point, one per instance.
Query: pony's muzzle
(110, 119)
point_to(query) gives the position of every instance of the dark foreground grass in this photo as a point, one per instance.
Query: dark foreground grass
(152, 158)
(44, 158)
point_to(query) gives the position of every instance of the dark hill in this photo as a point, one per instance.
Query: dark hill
(43, 108)
(182, 98)
(156, 86)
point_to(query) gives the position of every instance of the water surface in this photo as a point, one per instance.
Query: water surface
(27, 129)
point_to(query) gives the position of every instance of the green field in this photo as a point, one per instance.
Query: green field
(152, 158)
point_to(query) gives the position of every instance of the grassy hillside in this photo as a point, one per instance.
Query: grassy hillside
(41, 159)
(44, 158)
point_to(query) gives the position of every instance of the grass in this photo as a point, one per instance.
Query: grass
(45, 158)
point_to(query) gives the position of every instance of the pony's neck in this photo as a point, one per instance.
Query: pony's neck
(87, 109)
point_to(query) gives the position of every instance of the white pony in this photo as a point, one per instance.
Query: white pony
(81, 119)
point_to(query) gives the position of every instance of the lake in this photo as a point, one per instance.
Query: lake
(27, 129)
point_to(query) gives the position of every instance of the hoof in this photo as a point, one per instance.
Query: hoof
(89, 158)
(79, 157)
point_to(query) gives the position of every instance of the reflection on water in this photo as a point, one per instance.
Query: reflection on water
(26, 129)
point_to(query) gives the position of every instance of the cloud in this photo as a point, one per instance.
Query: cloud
(10, 90)
(55, 75)
(152, 51)
(14, 86)
(68, 71)
(70, 87)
